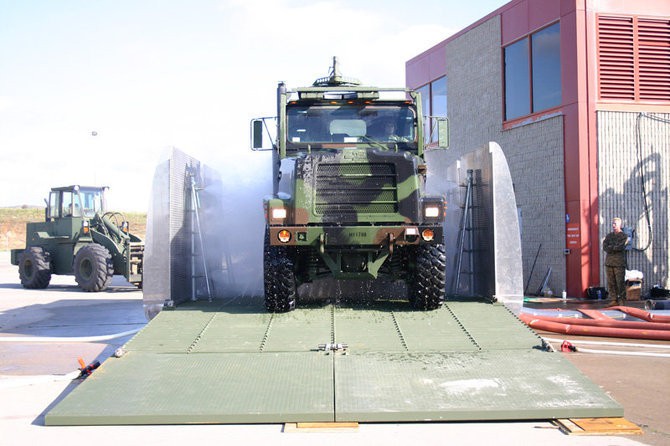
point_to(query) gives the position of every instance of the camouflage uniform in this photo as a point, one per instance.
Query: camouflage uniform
(614, 246)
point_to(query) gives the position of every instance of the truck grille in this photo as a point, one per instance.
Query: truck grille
(356, 188)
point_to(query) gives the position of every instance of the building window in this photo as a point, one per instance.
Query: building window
(517, 80)
(438, 97)
(434, 104)
(634, 58)
(546, 58)
(533, 73)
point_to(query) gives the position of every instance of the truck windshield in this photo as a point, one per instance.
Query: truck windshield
(351, 124)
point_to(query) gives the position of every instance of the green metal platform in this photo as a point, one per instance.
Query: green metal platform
(212, 363)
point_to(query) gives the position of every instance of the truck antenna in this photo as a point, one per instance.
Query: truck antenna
(335, 79)
(335, 72)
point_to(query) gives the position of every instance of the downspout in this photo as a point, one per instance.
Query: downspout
(594, 233)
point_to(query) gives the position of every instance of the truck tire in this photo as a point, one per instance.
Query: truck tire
(279, 279)
(93, 268)
(427, 287)
(34, 268)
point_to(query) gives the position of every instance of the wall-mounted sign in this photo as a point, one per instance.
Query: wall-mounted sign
(572, 235)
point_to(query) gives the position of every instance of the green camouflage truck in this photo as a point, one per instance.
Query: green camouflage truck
(348, 198)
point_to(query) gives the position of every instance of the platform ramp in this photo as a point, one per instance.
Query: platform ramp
(467, 361)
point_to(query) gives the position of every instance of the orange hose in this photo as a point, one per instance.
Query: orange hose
(642, 314)
(607, 322)
(540, 323)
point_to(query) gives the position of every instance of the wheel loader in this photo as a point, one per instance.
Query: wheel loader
(80, 237)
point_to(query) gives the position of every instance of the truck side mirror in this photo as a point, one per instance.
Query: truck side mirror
(443, 133)
(256, 134)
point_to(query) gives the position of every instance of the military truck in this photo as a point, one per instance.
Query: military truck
(79, 236)
(349, 191)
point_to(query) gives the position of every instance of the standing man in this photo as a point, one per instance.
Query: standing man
(614, 246)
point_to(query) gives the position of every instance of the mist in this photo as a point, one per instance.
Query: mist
(225, 239)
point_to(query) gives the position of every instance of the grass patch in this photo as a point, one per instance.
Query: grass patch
(13, 225)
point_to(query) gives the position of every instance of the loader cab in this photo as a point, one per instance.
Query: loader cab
(75, 202)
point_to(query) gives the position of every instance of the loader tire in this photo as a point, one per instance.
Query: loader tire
(279, 279)
(93, 268)
(34, 268)
(427, 286)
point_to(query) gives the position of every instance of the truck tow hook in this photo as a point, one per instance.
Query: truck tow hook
(322, 243)
(391, 239)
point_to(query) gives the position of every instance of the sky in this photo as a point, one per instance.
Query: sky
(96, 92)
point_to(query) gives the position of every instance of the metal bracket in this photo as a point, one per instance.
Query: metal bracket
(332, 347)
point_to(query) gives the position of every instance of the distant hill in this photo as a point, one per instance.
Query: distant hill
(13, 224)
(24, 206)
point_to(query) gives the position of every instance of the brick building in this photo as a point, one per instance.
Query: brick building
(577, 93)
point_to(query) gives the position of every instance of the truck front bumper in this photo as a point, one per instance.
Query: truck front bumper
(334, 236)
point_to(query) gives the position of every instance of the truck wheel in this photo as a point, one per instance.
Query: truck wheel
(279, 279)
(93, 268)
(34, 268)
(427, 287)
(280, 289)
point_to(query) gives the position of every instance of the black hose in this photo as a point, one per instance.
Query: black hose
(638, 144)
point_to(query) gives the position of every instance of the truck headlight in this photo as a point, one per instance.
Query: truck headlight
(431, 211)
(278, 213)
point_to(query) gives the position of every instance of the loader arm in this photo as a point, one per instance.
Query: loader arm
(127, 250)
